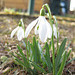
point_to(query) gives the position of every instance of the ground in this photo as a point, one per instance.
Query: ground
(8, 23)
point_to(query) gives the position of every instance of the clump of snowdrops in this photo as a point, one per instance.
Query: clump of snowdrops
(38, 59)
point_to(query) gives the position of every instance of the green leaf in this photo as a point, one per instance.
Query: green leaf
(73, 59)
(37, 67)
(62, 64)
(68, 45)
(59, 55)
(23, 63)
(47, 57)
(23, 57)
(29, 46)
(29, 50)
(35, 51)
(43, 60)
(50, 45)
(68, 54)
(20, 50)
(18, 54)
(19, 61)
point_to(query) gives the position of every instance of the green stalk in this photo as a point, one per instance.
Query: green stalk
(26, 48)
(57, 41)
(53, 55)
(57, 34)
(53, 51)
(57, 38)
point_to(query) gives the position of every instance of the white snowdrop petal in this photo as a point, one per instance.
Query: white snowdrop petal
(30, 26)
(49, 30)
(43, 31)
(41, 18)
(36, 30)
(55, 31)
(23, 34)
(20, 34)
(14, 31)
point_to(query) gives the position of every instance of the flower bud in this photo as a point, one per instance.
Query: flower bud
(42, 12)
(20, 23)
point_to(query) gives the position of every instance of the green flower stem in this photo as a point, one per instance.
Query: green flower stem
(26, 48)
(53, 55)
(49, 12)
(57, 34)
(53, 51)
(57, 40)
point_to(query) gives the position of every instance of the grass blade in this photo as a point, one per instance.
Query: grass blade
(23, 57)
(62, 65)
(47, 57)
(59, 55)
(35, 51)
(73, 59)
(37, 67)
(19, 61)
(68, 54)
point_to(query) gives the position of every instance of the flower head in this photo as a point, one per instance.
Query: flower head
(42, 27)
(19, 31)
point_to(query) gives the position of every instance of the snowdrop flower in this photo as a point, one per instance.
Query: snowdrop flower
(42, 28)
(19, 31)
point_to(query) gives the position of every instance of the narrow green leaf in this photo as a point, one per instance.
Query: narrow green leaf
(29, 50)
(47, 56)
(73, 59)
(29, 46)
(68, 54)
(50, 45)
(59, 55)
(35, 51)
(68, 45)
(62, 65)
(26, 66)
(20, 50)
(23, 57)
(37, 67)
(18, 55)
(53, 53)
(43, 60)
(19, 61)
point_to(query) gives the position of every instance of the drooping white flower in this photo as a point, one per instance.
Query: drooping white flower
(19, 31)
(42, 27)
